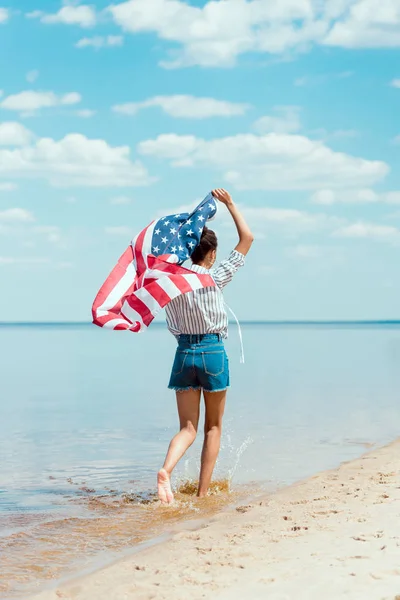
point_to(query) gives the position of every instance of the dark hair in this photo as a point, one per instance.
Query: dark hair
(208, 241)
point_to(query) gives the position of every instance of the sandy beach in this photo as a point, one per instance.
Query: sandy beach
(335, 535)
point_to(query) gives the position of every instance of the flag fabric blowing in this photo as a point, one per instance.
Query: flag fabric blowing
(149, 274)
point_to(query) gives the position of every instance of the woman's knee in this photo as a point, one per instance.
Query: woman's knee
(213, 428)
(189, 428)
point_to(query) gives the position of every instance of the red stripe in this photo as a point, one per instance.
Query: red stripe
(112, 280)
(140, 307)
(101, 321)
(138, 251)
(122, 327)
(206, 280)
(166, 267)
(158, 293)
(181, 283)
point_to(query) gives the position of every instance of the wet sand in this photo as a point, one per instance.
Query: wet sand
(335, 535)
(36, 549)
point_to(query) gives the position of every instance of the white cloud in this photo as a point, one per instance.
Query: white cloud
(291, 220)
(217, 33)
(98, 42)
(329, 197)
(120, 200)
(75, 161)
(120, 231)
(23, 261)
(304, 251)
(286, 120)
(368, 24)
(31, 76)
(4, 15)
(325, 255)
(321, 78)
(273, 161)
(80, 15)
(51, 232)
(21, 223)
(14, 134)
(85, 113)
(32, 261)
(8, 186)
(31, 101)
(344, 134)
(16, 215)
(34, 14)
(265, 219)
(395, 83)
(185, 107)
(369, 231)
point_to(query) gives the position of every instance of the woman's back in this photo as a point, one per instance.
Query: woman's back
(203, 310)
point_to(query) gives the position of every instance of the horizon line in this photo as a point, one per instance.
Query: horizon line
(243, 322)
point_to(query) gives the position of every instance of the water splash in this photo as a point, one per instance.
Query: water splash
(237, 453)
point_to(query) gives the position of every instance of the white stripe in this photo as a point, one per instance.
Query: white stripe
(193, 281)
(151, 303)
(131, 314)
(114, 323)
(156, 274)
(169, 287)
(118, 291)
(147, 247)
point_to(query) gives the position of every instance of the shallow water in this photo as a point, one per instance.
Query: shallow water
(85, 420)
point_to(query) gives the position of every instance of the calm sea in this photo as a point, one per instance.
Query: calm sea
(86, 417)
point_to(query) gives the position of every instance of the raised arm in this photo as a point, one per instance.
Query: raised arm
(246, 238)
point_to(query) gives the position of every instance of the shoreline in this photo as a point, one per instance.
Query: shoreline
(335, 534)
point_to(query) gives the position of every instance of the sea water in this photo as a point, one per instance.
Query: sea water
(86, 418)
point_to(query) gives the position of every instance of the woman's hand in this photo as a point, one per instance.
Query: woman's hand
(223, 196)
(246, 238)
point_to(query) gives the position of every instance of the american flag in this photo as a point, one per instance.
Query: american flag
(149, 274)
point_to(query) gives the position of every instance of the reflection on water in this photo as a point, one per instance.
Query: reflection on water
(85, 421)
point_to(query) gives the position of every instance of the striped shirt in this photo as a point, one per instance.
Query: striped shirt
(203, 311)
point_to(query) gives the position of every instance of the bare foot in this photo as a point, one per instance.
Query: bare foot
(164, 487)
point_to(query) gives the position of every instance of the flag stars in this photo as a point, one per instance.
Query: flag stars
(189, 221)
(180, 248)
(200, 230)
(166, 223)
(191, 244)
(177, 216)
(173, 248)
(200, 218)
(164, 240)
(156, 250)
(211, 206)
(189, 232)
(172, 230)
(157, 231)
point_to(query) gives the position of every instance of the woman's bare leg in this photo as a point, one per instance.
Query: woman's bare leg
(189, 411)
(215, 406)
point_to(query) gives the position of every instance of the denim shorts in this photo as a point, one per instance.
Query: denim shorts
(200, 362)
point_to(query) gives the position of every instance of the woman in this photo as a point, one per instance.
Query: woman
(199, 321)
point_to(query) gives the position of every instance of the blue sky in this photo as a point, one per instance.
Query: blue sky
(113, 114)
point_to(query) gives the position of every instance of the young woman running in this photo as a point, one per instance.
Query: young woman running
(200, 323)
